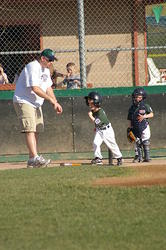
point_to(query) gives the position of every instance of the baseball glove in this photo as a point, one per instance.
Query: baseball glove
(130, 135)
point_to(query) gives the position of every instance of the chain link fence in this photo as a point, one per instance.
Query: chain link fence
(113, 43)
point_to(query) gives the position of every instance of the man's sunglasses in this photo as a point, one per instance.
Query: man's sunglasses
(48, 60)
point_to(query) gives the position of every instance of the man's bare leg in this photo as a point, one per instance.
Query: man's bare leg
(31, 141)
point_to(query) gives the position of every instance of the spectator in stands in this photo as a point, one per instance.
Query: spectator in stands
(3, 76)
(54, 75)
(72, 79)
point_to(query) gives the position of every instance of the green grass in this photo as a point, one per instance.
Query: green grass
(57, 208)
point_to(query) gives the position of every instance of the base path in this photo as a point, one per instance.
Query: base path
(126, 163)
(144, 174)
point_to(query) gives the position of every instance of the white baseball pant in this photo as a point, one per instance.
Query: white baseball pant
(108, 137)
(146, 134)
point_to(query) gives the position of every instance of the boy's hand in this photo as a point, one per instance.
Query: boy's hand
(90, 114)
(76, 81)
(68, 74)
(140, 117)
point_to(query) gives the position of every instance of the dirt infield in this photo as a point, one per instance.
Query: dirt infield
(144, 174)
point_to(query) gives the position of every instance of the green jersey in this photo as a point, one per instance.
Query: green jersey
(101, 119)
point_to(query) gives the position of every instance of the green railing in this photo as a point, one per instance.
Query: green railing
(8, 94)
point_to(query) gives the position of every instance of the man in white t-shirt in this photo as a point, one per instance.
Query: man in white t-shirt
(32, 88)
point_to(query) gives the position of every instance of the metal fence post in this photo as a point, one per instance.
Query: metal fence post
(81, 34)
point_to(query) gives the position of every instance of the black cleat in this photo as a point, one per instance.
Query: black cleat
(146, 160)
(137, 159)
(119, 161)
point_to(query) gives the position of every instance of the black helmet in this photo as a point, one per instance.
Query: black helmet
(96, 97)
(139, 91)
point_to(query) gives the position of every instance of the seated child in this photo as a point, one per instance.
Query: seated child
(3, 76)
(54, 76)
(72, 79)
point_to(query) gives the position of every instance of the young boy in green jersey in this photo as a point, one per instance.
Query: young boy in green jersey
(103, 129)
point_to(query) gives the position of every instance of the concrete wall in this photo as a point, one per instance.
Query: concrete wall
(73, 131)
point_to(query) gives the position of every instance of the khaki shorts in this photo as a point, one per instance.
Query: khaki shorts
(30, 118)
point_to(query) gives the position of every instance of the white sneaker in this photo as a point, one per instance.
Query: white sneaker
(39, 162)
(97, 161)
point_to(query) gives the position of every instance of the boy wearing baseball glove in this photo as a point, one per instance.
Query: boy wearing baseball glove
(138, 116)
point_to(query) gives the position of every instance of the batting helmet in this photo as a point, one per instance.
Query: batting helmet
(95, 97)
(139, 91)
